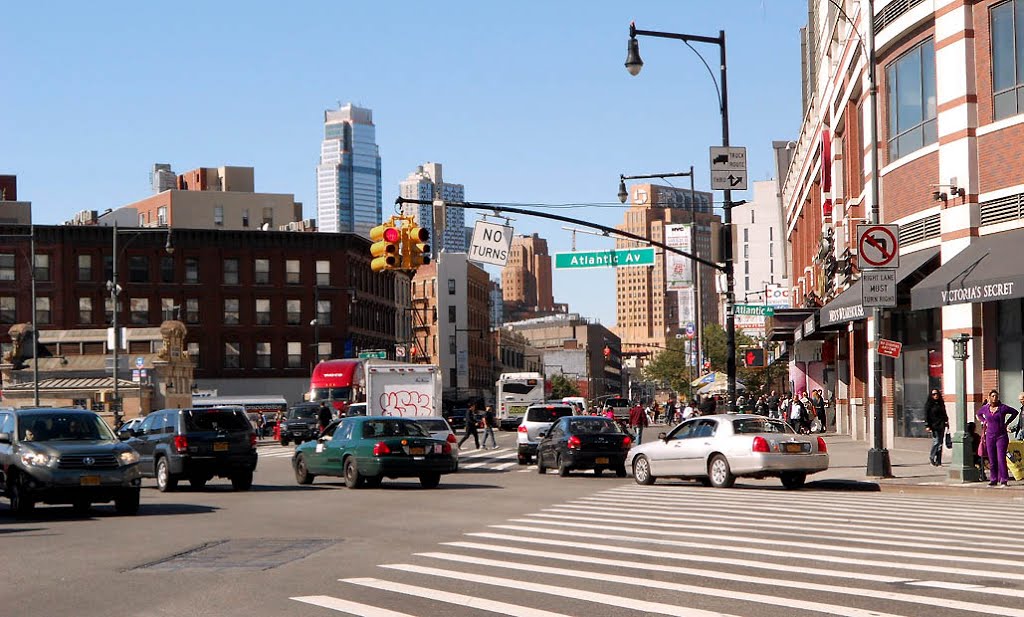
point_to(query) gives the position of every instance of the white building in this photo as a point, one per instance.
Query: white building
(447, 224)
(348, 184)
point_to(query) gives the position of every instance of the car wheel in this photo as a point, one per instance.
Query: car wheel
(704, 481)
(242, 481)
(81, 508)
(430, 480)
(541, 469)
(352, 477)
(523, 459)
(302, 475)
(563, 467)
(620, 471)
(21, 504)
(197, 482)
(642, 471)
(127, 502)
(165, 482)
(284, 442)
(719, 472)
(793, 479)
(375, 481)
(598, 471)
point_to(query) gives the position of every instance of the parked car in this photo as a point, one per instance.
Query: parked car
(538, 418)
(366, 449)
(62, 456)
(356, 409)
(122, 432)
(299, 424)
(583, 442)
(456, 417)
(718, 449)
(197, 445)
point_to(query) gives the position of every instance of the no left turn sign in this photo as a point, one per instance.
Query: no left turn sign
(878, 246)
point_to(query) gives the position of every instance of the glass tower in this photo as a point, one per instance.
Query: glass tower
(447, 225)
(348, 178)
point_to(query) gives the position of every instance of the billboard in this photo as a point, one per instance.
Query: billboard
(687, 308)
(678, 269)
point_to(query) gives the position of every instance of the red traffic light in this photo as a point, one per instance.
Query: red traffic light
(392, 234)
(607, 352)
(751, 358)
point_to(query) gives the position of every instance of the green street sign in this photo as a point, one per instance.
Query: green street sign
(756, 310)
(373, 353)
(612, 258)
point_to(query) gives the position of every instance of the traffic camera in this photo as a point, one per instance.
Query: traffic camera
(416, 251)
(386, 247)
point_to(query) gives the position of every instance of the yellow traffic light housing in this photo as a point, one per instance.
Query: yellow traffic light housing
(416, 251)
(386, 247)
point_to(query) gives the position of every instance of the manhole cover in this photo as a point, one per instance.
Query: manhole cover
(252, 554)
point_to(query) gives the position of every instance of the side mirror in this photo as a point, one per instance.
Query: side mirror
(5, 438)
(663, 436)
(542, 434)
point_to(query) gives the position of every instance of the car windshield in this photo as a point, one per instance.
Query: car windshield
(335, 394)
(393, 428)
(748, 426)
(63, 427)
(302, 413)
(548, 413)
(433, 425)
(593, 426)
(215, 420)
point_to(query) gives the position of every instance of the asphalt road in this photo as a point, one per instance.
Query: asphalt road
(500, 539)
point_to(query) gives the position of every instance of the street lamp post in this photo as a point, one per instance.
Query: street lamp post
(959, 468)
(633, 65)
(32, 281)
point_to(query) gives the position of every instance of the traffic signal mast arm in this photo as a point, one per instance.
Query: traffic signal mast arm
(607, 230)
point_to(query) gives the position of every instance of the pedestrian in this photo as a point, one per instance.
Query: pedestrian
(936, 418)
(796, 414)
(471, 426)
(688, 411)
(490, 422)
(761, 406)
(323, 416)
(772, 403)
(261, 424)
(818, 403)
(1018, 430)
(707, 406)
(996, 417)
(637, 421)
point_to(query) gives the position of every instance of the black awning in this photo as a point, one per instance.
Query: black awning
(848, 307)
(783, 325)
(989, 269)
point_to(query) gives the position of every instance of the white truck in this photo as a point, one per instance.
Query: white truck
(514, 393)
(401, 389)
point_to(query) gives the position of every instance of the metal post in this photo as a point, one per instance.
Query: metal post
(698, 310)
(961, 468)
(35, 333)
(114, 294)
(730, 319)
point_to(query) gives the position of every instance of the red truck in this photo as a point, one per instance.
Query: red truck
(339, 382)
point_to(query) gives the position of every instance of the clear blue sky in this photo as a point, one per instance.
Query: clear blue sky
(523, 102)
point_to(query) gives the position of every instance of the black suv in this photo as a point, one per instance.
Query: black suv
(62, 456)
(196, 444)
(300, 424)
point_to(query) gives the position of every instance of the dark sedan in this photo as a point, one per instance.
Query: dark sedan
(584, 442)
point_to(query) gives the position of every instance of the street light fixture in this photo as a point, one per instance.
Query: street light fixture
(633, 65)
(959, 469)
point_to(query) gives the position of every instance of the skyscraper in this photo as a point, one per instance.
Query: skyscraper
(447, 224)
(526, 279)
(348, 185)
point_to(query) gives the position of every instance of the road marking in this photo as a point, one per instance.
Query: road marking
(488, 453)
(505, 466)
(346, 606)
(633, 604)
(459, 599)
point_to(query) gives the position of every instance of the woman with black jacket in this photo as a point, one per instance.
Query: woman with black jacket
(937, 420)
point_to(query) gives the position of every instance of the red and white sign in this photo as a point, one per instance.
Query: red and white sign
(889, 348)
(878, 246)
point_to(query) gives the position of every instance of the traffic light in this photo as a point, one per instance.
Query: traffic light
(830, 267)
(753, 357)
(416, 251)
(845, 268)
(386, 247)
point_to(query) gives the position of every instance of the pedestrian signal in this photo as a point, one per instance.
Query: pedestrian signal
(386, 247)
(753, 358)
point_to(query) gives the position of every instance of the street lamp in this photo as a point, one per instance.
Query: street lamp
(633, 65)
(115, 291)
(31, 235)
(959, 469)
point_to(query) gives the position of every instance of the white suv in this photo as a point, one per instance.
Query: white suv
(536, 422)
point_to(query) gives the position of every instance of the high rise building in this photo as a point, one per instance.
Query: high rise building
(526, 279)
(348, 184)
(446, 224)
(759, 253)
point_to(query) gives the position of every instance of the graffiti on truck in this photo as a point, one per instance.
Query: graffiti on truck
(406, 403)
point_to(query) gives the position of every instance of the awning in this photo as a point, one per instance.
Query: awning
(986, 271)
(847, 306)
(785, 323)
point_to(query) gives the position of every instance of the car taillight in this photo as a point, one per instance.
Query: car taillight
(381, 448)
(574, 443)
(626, 442)
(180, 443)
(821, 445)
(252, 439)
(522, 429)
(447, 447)
(760, 445)
(452, 438)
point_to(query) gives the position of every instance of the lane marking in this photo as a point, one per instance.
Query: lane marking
(347, 606)
(459, 599)
(483, 453)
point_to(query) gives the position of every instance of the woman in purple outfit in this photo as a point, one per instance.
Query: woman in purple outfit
(996, 418)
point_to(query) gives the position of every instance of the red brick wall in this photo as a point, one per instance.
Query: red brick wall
(908, 189)
(1000, 157)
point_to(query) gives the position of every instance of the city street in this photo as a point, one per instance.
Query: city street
(496, 538)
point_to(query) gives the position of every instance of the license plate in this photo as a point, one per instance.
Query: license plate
(601, 460)
(220, 446)
(417, 451)
(794, 447)
(89, 481)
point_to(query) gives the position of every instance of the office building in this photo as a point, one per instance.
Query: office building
(348, 177)
(759, 250)
(446, 224)
(12, 211)
(526, 280)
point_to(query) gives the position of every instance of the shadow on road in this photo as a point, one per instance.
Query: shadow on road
(68, 513)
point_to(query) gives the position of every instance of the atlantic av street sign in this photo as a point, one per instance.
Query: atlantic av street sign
(612, 258)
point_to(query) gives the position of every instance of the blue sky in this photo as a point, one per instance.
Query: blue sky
(523, 102)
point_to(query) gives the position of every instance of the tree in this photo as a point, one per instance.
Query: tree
(669, 366)
(562, 386)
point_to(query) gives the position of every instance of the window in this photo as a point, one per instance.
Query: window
(85, 267)
(161, 216)
(291, 272)
(8, 312)
(218, 215)
(43, 310)
(1008, 58)
(230, 271)
(245, 217)
(192, 310)
(751, 217)
(268, 216)
(294, 354)
(166, 269)
(453, 377)
(193, 353)
(231, 311)
(294, 312)
(746, 250)
(323, 312)
(167, 308)
(6, 266)
(262, 274)
(323, 351)
(262, 311)
(42, 267)
(139, 308)
(452, 346)
(108, 309)
(746, 234)
(262, 355)
(771, 234)
(191, 270)
(232, 355)
(746, 282)
(451, 287)
(138, 269)
(323, 272)
(85, 310)
(451, 314)
(911, 99)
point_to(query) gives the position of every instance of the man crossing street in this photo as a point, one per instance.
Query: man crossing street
(637, 421)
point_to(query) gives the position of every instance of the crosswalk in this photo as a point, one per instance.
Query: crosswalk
(696, 552)
(470, 460)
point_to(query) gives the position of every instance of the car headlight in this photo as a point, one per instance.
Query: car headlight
(35, 459)
(129, 457)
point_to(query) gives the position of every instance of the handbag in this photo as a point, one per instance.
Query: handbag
(949, 441)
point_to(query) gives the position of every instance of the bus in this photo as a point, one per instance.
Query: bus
(272, 407)
(514, 392)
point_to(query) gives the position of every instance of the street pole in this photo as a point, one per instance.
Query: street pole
(959, 468)
(698, 310)
(114, 293)
(35, 333)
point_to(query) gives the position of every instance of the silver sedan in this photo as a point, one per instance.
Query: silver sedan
(717, 449)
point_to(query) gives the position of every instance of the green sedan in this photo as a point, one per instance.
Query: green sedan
(366, 449)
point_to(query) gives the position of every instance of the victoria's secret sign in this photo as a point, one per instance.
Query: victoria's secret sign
(975, 293)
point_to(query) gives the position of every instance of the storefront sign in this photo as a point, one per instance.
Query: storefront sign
(845, 313)
(889, 348)
(979, 293)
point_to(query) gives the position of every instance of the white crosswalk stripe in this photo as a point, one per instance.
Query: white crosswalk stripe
(696, 552)
(500, 459)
